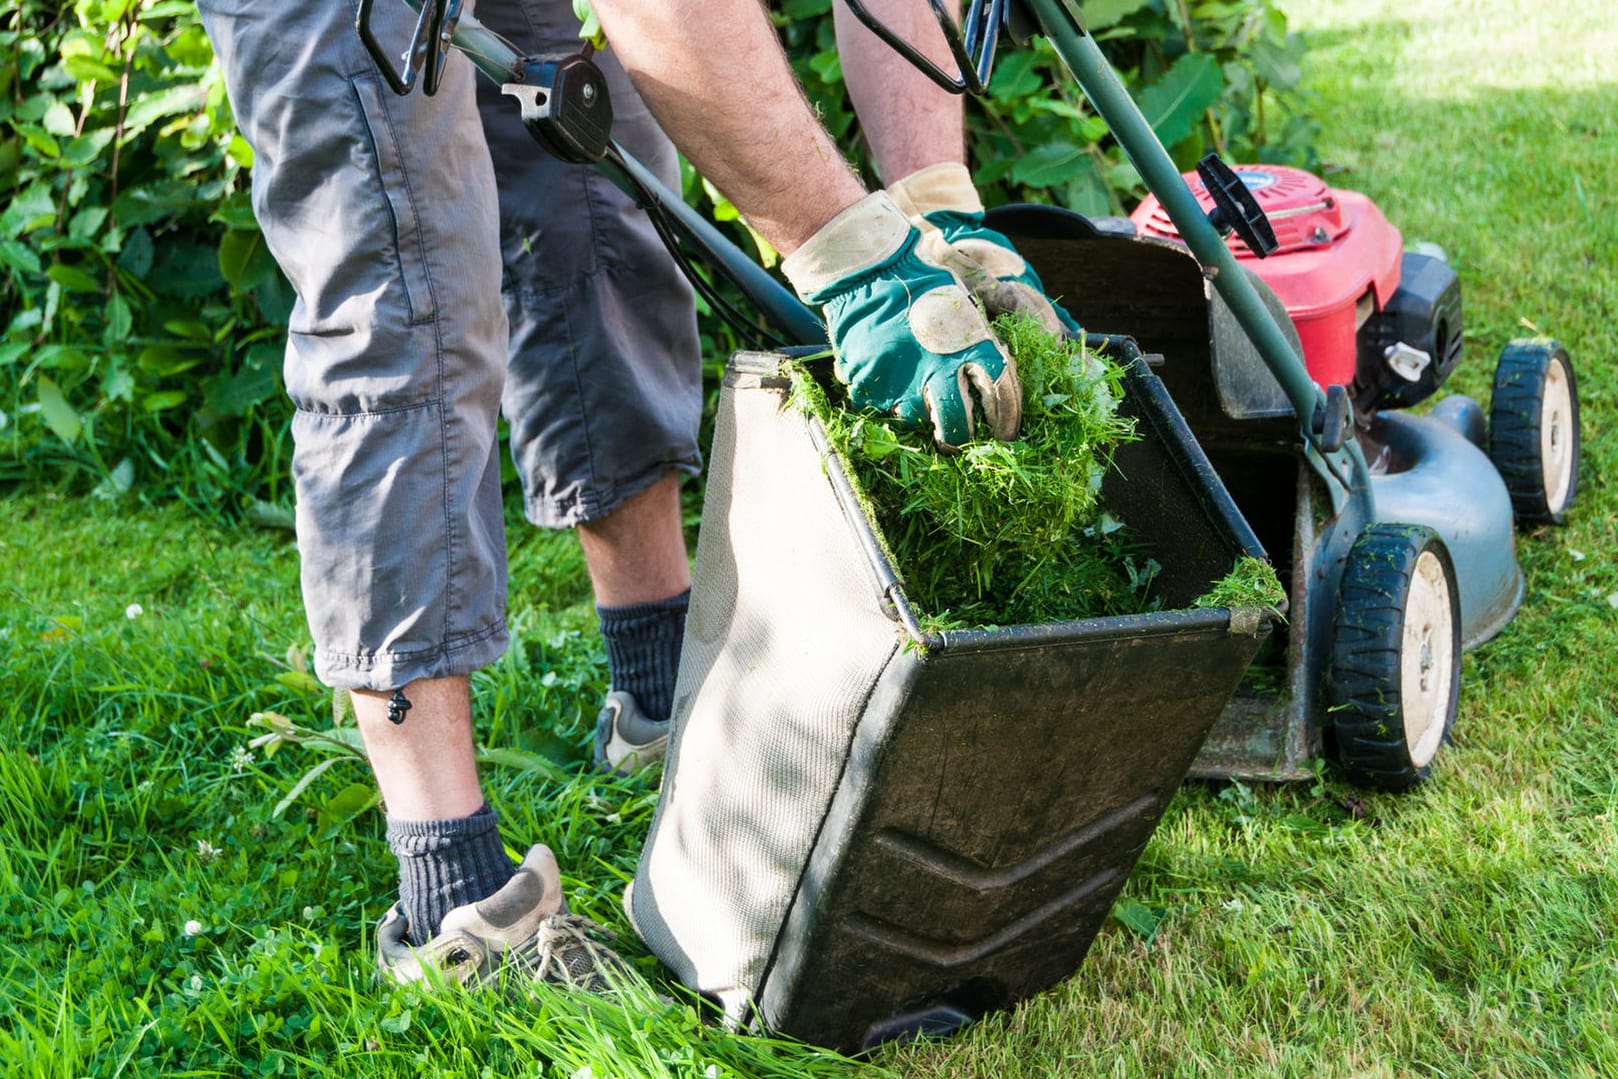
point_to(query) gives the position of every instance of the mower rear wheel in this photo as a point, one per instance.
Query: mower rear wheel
(1395, 675)
(1534, 430)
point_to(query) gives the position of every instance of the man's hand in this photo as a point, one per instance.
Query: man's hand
(943, 202)
(909, 338)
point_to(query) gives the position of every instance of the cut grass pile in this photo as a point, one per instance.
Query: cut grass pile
(1000, 533)
(1012, 533)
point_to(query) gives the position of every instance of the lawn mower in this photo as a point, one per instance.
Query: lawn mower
(868, 831)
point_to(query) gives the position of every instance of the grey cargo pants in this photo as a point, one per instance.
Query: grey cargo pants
(433, 279)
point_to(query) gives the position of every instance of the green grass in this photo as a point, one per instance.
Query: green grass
(1304, 930)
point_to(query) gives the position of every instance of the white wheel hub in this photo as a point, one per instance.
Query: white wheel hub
(1556, 436)
(1427, 659)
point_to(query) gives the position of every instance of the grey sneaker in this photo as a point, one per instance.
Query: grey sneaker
(626, 741)
(524, 926)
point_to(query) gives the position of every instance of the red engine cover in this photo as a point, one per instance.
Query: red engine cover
(1338, 259)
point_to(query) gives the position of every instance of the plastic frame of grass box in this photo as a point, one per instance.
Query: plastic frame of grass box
(866, 831)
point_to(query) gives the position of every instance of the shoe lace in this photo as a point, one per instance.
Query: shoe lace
(570, 949)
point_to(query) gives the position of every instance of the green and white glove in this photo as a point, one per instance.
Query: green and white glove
(589, 26)
(943, 198)
(909, 339)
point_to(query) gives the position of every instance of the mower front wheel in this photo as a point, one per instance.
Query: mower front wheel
(1395, 675)
(1534, 430)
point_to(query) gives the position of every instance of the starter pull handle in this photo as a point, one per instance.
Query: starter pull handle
(1235, 208)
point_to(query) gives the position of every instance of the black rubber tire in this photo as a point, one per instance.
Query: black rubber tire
(1534, 430)
(1395, 675)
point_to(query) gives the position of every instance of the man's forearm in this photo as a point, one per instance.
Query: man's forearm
(909, 121)
(714, 75)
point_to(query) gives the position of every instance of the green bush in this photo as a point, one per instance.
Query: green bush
(144, 318)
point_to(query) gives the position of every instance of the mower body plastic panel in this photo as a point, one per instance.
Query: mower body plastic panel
(1432, 474)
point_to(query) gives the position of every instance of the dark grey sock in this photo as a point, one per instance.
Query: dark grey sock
(643, 650)
(444, 864)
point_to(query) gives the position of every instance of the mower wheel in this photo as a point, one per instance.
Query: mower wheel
(1534, 430)
(1395, 673)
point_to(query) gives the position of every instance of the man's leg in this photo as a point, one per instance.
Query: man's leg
(636, 553)
(604, 382)
(371, 204)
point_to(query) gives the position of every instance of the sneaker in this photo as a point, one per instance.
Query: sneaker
(525, 925)
(626, 741)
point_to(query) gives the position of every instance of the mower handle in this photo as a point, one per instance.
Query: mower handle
(971, 43)
(429, 45)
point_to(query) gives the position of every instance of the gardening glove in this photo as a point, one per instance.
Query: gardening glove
(589, 25)
(942, 199)
(909, 339)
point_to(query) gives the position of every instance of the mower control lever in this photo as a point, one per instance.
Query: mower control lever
(1235, 207)
(1331, 419)
(565, 105)
(971, 44)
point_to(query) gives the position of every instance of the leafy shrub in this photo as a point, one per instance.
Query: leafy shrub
(144, 318)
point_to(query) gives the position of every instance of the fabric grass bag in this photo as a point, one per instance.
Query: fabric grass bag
(872, 827)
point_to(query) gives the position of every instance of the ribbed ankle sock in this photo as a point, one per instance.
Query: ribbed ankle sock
(444, 864)
(643, 650)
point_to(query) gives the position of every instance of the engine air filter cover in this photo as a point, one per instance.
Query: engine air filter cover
(1337, 261)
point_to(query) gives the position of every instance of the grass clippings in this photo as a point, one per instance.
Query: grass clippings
(1002, 533)
(1013, 533)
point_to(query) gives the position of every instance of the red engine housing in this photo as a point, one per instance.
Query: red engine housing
(1337, 263)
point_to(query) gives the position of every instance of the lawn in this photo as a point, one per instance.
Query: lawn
(164, 909)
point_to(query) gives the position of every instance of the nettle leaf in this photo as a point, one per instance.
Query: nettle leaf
(186, 270)
(86, 148)
(59, 415)
(1050, 165)
(120, 320)
(258, 380)
(244, 259)
(236, 212)
(1087, 193)
(1279, 65)
(19, 257)
(29, 210)
(153, 107)
(83, 69)
(137, 254)
(58, 119)
(87, 222)
(1017, 76)
(42, 141)
(1175, 103)
(73, 279)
